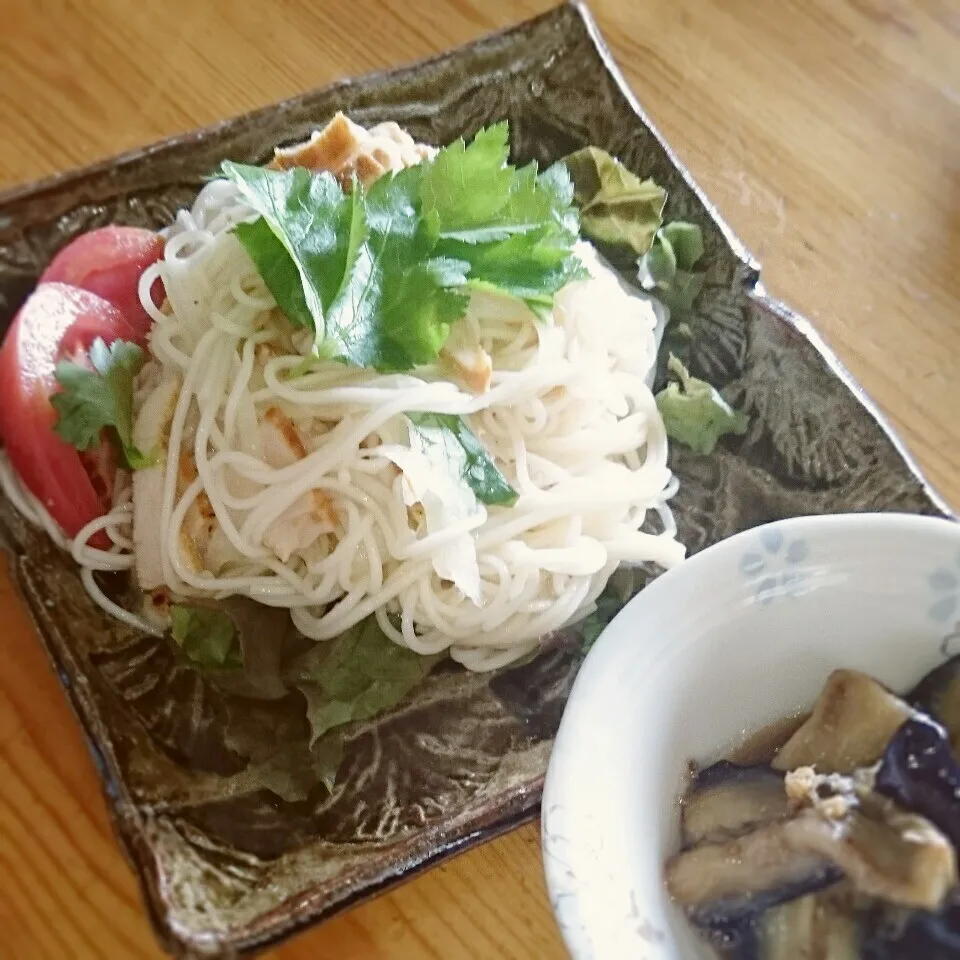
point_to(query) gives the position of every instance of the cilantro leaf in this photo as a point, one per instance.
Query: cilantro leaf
(694, 413)
(616, 206)
(278, 270)
(318, 226)
(356, 676)
(518, 243)
(206, 637)
(446, 439)
(356, 268)
(380, 275)
(530, 268)
(471, 194)
(401, 299)
(98, 397)
(466, 187)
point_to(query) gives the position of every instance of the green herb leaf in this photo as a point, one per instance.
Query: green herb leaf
(499, 201)
(397, 309)
(446, 440)
(381, 274)
(516, 239)
(356, 676)
(356, 268)
(207, 637)
(320, 228)
(278, 270)
(694, 413)
(616, 206)
(465, 188)
(92, 400)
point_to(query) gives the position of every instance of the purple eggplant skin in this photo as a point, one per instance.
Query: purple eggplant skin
(736, 942)
(938, 694)
(919, 772)
(727, 799)
(924, 936)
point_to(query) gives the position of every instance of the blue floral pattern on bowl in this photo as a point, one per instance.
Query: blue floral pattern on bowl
(944, 609)
(944, 583)
(776, 566)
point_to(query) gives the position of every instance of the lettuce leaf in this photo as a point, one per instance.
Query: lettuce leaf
(356, 676)
(694, 413)
(616, 206)
(293, 771)
(667, 269)
(207, 637)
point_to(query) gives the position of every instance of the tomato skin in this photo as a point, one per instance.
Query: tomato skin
(109, 262)
(54, 316)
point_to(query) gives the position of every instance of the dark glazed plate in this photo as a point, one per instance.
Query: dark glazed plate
(227, 866)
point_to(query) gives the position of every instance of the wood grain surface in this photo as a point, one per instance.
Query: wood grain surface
(827, 132)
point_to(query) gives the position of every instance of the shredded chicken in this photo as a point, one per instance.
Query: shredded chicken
(311, 515)
(832, 795)
(346, 149)
(200, 521)
(466, 360)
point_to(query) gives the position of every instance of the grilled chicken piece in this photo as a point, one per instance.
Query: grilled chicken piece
(465, 359)
(345, 149)
(311, 515)
(200, 521)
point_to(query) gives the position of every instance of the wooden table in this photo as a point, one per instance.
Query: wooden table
(828, 133)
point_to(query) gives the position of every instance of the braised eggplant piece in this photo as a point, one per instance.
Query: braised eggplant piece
(850, 726)
(886, 853)
(823, 926)
(920, 773)
(726, 800)
(721, 884)
(938, 694)
(919, 935)
(845, 847)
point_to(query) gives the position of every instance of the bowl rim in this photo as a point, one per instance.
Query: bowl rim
(562, 886)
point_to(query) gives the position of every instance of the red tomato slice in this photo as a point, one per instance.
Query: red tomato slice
(55, 316)
(109, 262)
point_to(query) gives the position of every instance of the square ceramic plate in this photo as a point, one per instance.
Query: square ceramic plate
(227, 866)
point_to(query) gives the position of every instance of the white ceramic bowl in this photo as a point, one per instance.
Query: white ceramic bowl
(734, 638)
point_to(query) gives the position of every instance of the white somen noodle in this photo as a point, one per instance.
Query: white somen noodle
(352, 518)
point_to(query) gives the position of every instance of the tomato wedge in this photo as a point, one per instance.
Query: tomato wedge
(57, 320)
(109, 262)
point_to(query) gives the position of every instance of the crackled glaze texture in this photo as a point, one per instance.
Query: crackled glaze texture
(228, 866)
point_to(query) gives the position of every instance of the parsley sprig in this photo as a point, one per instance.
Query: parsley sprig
(97, 397)
(380, 274)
